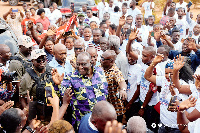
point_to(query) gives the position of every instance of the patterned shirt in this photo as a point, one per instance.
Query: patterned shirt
(114, 77)
(87, 92)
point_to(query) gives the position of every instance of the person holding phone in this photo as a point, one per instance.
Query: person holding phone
(14, 18)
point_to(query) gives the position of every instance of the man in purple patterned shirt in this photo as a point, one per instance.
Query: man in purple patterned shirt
(88, 84)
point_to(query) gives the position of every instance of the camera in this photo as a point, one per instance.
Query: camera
(8, 76)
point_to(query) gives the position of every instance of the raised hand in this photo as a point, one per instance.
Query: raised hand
(6, 106)
(197, 77)
(29, 99)
(57, 78)
(157, 36)
(122, 20)
(192, 44)
(34, 123)
(158, 58)
(114, 127)
(54, 101)
(190, 102)
(133, 34)
(42, 129)
(67, 96)
(123, 95)
(50, 32)
(179, 62)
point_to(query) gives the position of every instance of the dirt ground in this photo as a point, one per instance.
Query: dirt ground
(4, 7)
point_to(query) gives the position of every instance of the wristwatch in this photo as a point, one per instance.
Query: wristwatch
(142, 107)
(30, 129)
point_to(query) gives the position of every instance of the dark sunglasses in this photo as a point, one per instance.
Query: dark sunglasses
(78, 49)
(103, 59)
(39, 60)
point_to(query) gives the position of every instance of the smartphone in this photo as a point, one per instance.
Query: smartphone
(152, 34)
(14, 10)
(173, 100)
(189, 4)
(67, 33)
(32, 110)
(72, 6)
(48, 93)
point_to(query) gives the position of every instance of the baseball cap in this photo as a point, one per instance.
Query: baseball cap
(25, 41)
(37, 53)
(79, 15)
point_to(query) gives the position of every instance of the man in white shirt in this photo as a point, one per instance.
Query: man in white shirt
(114, 17)
(148, 7)
(121, 60)
(90, 17)
(133, 11)
(182, 4)
(111, 6)
(175, 40)
(143, 31)
(54, 15)
(196, 33)
(182, 24)
(102, 8)
(124, 10)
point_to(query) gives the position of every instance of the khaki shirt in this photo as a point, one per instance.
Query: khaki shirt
(27, 83)
(17, 66)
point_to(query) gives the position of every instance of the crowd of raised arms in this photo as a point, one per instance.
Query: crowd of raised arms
(110, 71)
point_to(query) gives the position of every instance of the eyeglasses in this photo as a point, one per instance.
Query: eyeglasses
(78, 49)
(39, 60)
(103, 59)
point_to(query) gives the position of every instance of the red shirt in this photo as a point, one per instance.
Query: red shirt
(24, 24)
(45, 22)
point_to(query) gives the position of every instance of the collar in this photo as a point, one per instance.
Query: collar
(91, 125)
(23, 57)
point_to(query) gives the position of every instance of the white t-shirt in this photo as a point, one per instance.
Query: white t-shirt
(143, 32)
(122, 63)
(194, 127)
(147, 9)
(183, 5)
(182, 25)
(144, 84)
(196, 37)
(149, 28)
(102, 9)
(178, 46)
(168, 118)
(134, 13)
(132, 81)
(54, 16)
(114, 18)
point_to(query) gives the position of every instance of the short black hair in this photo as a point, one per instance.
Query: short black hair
(89, 9)
(116, 9)
(32, 8)
(113, 27)
(40, 11)
(129, 16)
(102, 23)
(124, 4)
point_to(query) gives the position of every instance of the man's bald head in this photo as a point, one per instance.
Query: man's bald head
(59, 47)
(60, 53)
(102, 112)
(93, 53)
(3, 47)
(110, 53)
(5, 53)
(136, 124)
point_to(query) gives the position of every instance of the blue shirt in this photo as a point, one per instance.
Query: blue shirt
(49, 56)
(84, 125)
(195, 58)
(66, 69)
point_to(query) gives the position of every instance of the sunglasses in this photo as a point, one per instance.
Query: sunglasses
(103, 59)
(78, 49)
(39, 60)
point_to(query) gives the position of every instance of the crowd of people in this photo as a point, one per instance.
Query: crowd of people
(114, 71)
